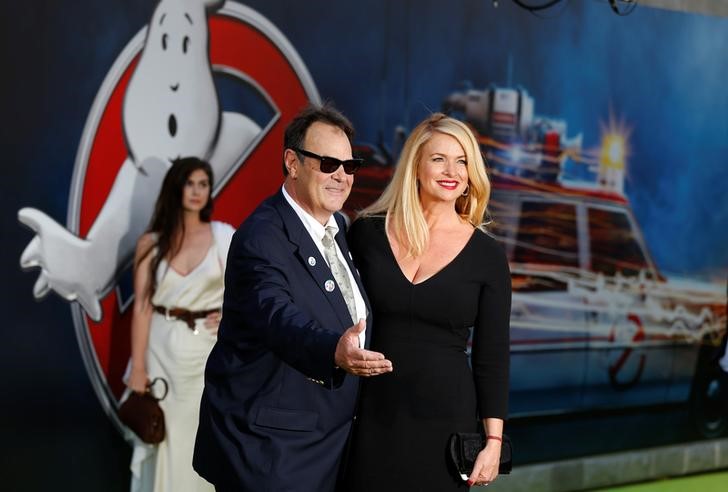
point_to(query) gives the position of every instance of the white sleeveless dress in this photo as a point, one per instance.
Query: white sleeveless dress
(178, 354)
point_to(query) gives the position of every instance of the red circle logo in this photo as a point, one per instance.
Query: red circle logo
(244, 47)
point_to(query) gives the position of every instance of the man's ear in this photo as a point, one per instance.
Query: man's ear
(290, 159)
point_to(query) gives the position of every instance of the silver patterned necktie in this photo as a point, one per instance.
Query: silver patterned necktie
(339, 271)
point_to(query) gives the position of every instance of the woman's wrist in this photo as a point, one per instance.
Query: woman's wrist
(494, 440)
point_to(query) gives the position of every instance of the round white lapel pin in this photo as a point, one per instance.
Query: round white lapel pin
(329, 285)
(312, 261)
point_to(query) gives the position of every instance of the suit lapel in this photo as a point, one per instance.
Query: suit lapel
(311, 259)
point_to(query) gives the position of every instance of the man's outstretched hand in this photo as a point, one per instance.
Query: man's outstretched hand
(359, 361)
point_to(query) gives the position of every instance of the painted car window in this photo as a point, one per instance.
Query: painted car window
(547, 234)
(614, 248)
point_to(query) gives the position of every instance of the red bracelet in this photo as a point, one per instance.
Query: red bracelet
(495, 438)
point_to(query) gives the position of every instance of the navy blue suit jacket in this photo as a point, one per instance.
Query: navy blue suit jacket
(276, 412)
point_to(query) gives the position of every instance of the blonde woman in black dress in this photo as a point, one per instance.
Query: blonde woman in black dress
(432, 273)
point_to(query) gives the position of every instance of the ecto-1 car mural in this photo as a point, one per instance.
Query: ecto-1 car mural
(594, 324)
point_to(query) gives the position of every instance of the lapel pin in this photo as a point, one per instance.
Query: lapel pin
(312, 261)
(329, 285)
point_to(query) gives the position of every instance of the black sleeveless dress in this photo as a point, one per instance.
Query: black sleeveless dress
(405, 417)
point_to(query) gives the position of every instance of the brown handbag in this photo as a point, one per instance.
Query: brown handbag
(141, 413)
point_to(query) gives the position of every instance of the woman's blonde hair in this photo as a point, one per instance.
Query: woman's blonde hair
(400, 201)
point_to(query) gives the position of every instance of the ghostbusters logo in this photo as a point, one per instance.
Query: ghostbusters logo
(162, 100)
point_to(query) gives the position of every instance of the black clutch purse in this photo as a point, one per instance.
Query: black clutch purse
(463, 449)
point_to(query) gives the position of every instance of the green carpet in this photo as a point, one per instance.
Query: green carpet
(709, 482)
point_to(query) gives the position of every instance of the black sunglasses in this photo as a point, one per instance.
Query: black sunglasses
(331, 164)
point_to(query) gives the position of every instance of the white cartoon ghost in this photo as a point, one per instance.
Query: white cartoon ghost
(171, 110)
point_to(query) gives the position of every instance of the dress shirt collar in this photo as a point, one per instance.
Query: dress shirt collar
(313, 226)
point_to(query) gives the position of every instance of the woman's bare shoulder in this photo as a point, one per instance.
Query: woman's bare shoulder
(145, 244)
(147, 240)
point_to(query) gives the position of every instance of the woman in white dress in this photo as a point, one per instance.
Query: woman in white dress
(178, 286)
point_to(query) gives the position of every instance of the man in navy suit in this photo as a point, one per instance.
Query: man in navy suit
(280, 385)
